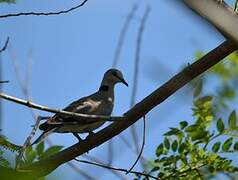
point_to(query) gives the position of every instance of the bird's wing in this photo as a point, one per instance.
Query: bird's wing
(84, 105)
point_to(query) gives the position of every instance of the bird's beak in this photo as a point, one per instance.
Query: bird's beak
(124, 82)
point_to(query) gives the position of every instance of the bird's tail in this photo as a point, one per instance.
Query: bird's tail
(43, 135)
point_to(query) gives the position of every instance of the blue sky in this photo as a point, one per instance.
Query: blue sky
(71, 52)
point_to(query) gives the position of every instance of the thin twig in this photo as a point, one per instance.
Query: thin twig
(142, 147)
(96, 160)
(123, 34)
(4, 81)
(5, 45)
(27, 143)
(136, 71)
(117, 169)
(126, 142)
(44, 13)
(23, 84)
(86, 117)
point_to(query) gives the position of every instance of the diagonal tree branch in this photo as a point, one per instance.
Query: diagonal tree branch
(219, 14)
(46, 166)
(44, 13)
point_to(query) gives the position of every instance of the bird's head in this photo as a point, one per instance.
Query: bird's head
(114, 76)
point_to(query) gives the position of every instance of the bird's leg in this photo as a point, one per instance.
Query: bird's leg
(77, 136)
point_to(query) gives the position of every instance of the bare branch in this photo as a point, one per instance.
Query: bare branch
(142, 147)
(4, 81)
(96, 160)
(27, 142)
(5, 45)
(46, 166)
(86, 117)
(137, 55)
(214, 11)
(44, 13)
(117, 169)
(136, 72)
(123, 34)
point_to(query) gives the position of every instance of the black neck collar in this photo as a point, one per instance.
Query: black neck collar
(104, 88)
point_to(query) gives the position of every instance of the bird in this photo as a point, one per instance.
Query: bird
(98, 103)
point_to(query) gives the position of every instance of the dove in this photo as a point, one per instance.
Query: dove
(99, 103)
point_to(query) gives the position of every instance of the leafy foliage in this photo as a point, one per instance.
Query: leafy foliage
(192, 151)
(225, 73)
(38, 153)
(30, 155)
(4, 143)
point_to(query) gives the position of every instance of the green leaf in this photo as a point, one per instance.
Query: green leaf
(184, 159)
(175, 145)
(236, 146)
(227, 144)
(160, 175)
(4, 162)
(199, 134)
(30, 154)
(216, 147)
(166, 143)
(232, 120)
(183, 124)
(220, 126)
(50, 151)
(182, 147)
(8, 145)
(172, 131)
(160, 150)
(191, 128)
(40, 148)
(203, 101)
(154, 169)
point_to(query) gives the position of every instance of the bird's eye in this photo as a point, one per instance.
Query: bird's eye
(114, 73)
